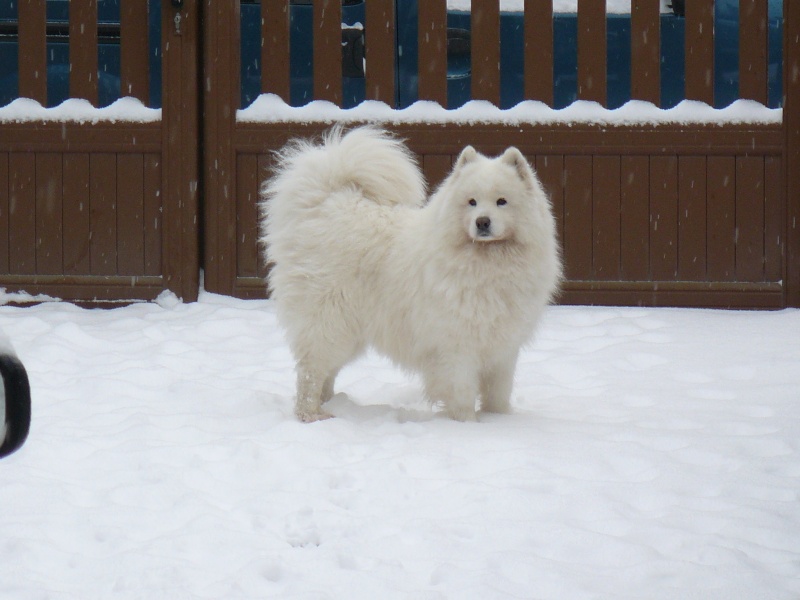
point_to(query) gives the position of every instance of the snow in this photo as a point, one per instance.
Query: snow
(270, 108)
(25, 110)
(559, 6)
(653, 453)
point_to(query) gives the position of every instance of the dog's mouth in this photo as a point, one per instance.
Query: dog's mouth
(486, 238)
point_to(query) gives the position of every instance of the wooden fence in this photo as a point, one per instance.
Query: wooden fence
(703, 215)
(104, 211)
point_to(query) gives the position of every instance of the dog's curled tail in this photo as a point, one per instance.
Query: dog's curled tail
(366, 158)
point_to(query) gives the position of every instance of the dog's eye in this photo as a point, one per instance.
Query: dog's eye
(472, 202)
(501, 202)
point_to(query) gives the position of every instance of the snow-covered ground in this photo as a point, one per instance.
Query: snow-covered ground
(653, 453)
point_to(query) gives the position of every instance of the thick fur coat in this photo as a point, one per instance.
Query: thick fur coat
(450, 288)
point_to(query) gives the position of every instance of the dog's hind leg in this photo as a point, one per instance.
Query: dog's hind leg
(327, 387)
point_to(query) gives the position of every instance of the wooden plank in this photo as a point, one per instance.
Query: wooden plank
(606, 199)
(664, 218)
(49, 218)
(103, 213)
(791, 123)
(635, 218)
(152, 215)
(774, 199)
(674, 293)
(328, 51)
(550, 169)
(646, 51)
(379, 46)
(83, 50)
(432, 51)
(538, 57)
(486, 50)
(247, 215)
(572, 138)
(700, 51)
(48, 136)
(4, 221)
(22, 213)
(130, 214)
(721, 210)
(578, 217)
(76, 210)
(275, 48)
(692, 221)
(592, 50)
(750, 218)
(32, 50)
(435, 167)
(753, 50)
(134, 59)
(90, 291)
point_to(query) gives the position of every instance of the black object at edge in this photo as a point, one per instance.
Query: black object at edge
(18, 404)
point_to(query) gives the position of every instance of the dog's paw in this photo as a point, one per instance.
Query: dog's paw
(312, 417)
(463, 414)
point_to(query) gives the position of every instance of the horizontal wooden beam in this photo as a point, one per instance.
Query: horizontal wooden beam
(81, 137)
(87, 288)
(674, 293)
(732, 139)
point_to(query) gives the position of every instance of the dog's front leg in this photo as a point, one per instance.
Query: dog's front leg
(496, 384)
(308, 407)
(456, 388)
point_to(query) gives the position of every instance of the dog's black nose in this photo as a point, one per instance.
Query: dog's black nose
(484, 224)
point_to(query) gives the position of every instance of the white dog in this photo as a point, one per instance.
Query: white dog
(451, 289)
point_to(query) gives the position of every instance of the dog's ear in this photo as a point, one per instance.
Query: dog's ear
(467, 155)
(514, 158)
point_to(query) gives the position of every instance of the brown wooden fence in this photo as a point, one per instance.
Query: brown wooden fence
(105, 211)
(702, 215)
(660, 215)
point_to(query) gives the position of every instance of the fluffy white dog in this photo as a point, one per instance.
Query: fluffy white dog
(450, 289)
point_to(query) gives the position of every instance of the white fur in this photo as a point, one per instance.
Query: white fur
(360, 260)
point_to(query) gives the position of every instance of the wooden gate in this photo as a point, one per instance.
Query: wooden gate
(103, 210)
(701, 215)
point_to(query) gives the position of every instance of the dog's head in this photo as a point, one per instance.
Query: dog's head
(495, 197)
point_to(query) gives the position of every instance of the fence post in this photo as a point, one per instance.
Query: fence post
(180, 168)
(221, 98)
(791, 124)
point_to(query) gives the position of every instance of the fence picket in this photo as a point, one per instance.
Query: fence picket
(380, 50)
(328, 50)
(486, 50)
(33, 51)
(538, 58)
(592, 46)
(753, 50)
(275, 48)
(83, 50)
(700, 51)
(134, 35)
(432, 52)
(646, 51)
